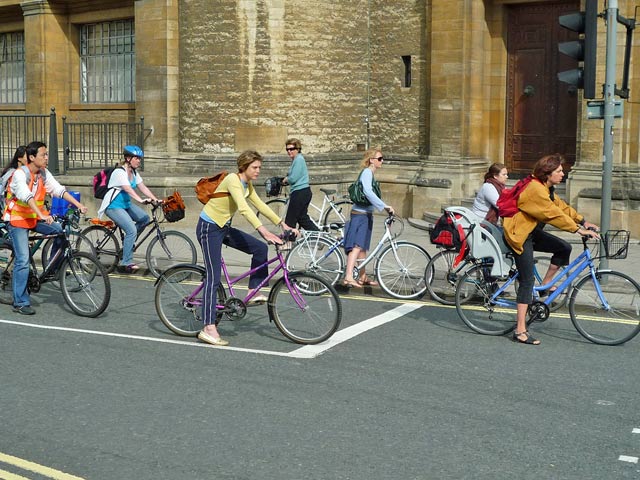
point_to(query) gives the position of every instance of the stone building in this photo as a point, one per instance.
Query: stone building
(445, 87)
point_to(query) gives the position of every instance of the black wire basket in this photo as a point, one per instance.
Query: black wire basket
(616, 244)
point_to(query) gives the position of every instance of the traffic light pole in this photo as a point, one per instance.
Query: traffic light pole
(609, 112)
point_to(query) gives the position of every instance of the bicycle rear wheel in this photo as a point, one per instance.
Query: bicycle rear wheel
(313, 253)
(168, 249)
(106, 245)
(178, 299)
(614, 325)
(305, 318)
(473, 302)
(400, 270)
(85, 284)
(441, 276)
(337, 214)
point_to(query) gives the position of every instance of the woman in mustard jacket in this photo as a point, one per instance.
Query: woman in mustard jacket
(524, 233)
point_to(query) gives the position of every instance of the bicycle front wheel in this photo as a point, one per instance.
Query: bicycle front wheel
(178, 299)
(169, 248)
(78, 241)
(105, 244)
(317, 254)
(400, 270)
(337, 214)
(305, 318)
(474, 292)
(441, 276)
(85, 284)
(614, 323)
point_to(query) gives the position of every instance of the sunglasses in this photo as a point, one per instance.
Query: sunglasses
(378, 158)
(290, 149)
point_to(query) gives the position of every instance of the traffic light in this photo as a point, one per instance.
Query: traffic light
(583, 50)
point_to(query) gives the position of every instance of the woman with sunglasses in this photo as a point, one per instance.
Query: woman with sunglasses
(357, 238)
(298, 180)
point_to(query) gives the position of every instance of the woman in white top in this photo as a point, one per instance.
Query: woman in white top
(485, 203)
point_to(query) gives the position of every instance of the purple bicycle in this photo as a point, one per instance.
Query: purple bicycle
(304, 306)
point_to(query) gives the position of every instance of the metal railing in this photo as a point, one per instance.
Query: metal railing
(22, 129)
(92, 146)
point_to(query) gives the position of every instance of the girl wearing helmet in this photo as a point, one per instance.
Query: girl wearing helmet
(117, 203)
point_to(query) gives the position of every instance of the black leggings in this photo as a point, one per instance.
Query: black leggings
(539, 241)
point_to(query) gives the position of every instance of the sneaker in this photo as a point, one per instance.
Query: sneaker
(133, 268)
(206, 338)
(257, 300)
(24, 310)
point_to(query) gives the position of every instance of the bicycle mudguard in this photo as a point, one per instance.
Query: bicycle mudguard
(180, 265)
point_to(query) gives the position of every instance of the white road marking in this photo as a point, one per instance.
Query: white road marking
(311, 351)
(636, 430)
(625, 458)
(307, 351)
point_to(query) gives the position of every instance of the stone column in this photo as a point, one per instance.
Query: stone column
(46, 57)
(157, 78)
(460, 49)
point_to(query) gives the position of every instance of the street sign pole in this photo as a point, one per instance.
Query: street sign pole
(609, 113)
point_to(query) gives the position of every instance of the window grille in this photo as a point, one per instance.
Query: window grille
(12, 67)
(108, 62)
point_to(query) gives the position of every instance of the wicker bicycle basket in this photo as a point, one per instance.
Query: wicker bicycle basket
(616, 244)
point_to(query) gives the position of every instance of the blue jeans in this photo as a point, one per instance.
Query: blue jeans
(20, 241)
(211, 238)
(132, 221)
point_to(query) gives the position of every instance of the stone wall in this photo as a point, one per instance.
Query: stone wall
(314, 70)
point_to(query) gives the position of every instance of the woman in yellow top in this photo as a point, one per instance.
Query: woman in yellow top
(523, 232)
(214, 229)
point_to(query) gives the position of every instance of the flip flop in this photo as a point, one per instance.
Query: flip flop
(369, 283)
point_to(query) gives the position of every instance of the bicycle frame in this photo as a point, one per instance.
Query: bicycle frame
(386, 237)
(141, 239)
(327, 204)
(299, 299)
(575, 268)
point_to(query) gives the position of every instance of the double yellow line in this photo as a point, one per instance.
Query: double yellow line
(32, 467)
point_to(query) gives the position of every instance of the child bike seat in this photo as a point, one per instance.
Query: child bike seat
(484, 239)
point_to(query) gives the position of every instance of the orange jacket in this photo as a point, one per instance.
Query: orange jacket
(536, 206)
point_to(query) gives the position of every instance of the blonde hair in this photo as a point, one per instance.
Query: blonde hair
(368, 155)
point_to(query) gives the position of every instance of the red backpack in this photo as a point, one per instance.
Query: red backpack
(508, 200)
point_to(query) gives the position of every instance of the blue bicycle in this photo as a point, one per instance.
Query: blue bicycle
(604, 305)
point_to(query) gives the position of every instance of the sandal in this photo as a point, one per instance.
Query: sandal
(368, 283)
(351, 284)
(529, 340)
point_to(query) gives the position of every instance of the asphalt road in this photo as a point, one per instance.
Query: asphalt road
(417, 397)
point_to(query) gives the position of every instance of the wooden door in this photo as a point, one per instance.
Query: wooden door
(541, 110)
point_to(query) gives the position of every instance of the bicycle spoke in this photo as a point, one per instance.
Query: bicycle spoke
(303, 317)
(612, 322)
(85, 285)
